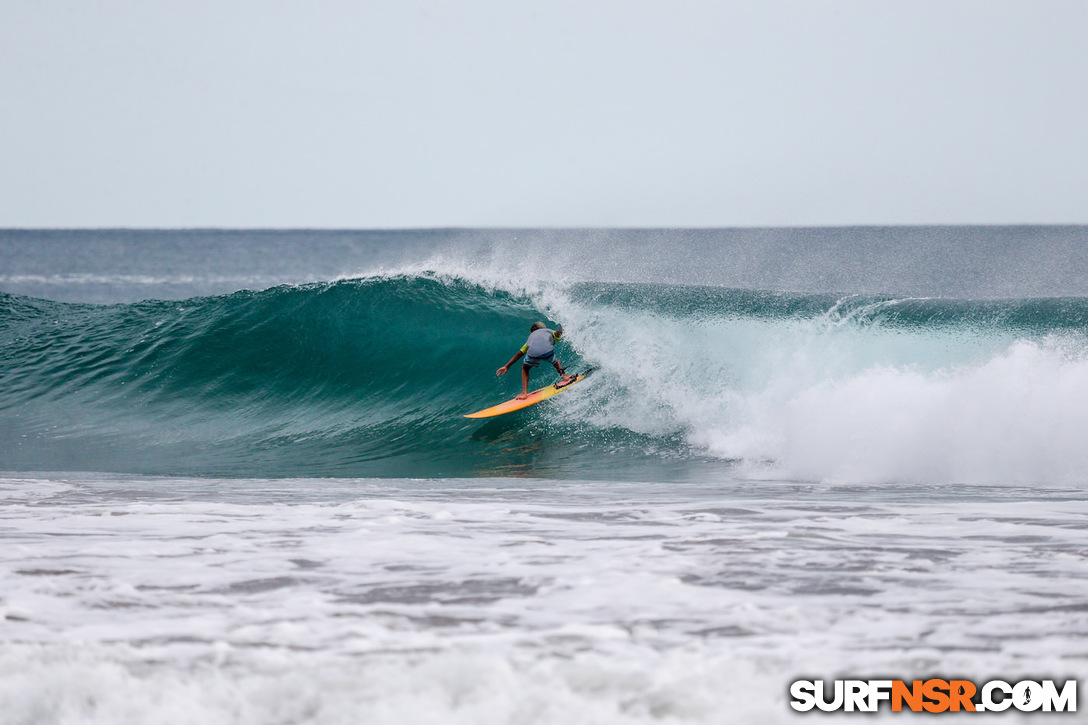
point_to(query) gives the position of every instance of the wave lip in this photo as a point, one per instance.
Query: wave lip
(371, 377)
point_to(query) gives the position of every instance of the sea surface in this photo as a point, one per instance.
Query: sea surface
(237, 486)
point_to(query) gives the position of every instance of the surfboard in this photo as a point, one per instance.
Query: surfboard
(532, 399)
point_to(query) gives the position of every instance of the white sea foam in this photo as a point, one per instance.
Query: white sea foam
(1020, 417)
(185, 601)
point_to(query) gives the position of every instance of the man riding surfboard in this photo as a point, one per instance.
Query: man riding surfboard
(539, 346)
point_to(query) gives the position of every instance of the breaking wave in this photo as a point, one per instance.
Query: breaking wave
(371, 377)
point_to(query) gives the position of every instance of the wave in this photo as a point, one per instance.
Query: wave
(371, 377)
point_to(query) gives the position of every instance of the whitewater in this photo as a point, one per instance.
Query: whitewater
(239, 487)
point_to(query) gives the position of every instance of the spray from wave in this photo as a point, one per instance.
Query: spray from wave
(371, 377)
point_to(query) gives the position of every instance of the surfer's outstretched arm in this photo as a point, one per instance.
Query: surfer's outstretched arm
(504, 368)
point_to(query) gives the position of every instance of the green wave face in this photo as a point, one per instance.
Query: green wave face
(371, 378)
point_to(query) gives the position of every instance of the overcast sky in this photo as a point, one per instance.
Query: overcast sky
(520, 113)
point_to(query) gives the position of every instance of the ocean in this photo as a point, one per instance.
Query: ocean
(237, 486)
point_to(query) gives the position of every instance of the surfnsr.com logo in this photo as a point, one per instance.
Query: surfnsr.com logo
(934, 695)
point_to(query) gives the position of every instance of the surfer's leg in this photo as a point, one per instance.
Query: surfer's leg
(559, 369)
(524, 381)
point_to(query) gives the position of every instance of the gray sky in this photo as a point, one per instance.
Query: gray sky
(581, 113)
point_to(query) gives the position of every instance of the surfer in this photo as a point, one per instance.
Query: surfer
(539, 346)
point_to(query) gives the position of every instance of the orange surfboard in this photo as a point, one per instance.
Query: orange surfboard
(532, 399)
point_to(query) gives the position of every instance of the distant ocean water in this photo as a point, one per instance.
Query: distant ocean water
(239, 487)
